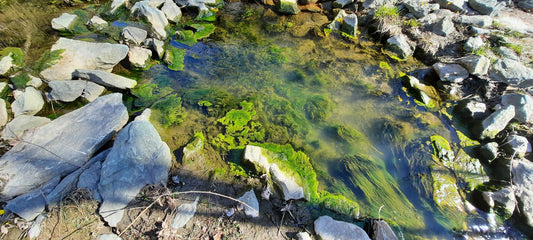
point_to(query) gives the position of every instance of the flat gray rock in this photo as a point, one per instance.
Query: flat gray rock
(155, 17)
(69, 91)
(27, 102)
(454, 73)
(105, 78)
(15, 129)
(328, 229)
(139, 57)
(172, 11)
(482, 21)
(31, 204)
(400, 46)
(184, 214)
(63, 22)
(138, 158)
(511, 72)
(475, 64)
(523, 180)
(289, 188)
(250, 199)
(496, 122)
(134, 35)
(487, 7)
(61, 146)
(85, 55)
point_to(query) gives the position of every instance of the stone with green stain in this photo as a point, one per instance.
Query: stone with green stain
(426, 94)
(442, 149)
(192, 152)
(449, 201)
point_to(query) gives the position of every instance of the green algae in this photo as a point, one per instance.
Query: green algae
(20, 80)
(318, 108)
(239, 129)
(339, 204)
(203, 30)
(148, 94)
(174, 58)
(169, 111)
(47, 60)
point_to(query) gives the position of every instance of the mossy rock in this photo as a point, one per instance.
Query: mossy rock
(451, 213)
(203, 30)
(174, 58)
(169, 111)
(442, 149)
(339, 204)
(192, 152)
(47, 60)
(186, 37)
(16, 54)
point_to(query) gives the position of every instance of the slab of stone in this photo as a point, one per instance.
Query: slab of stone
(155, 17)
(31, 204)
(157, 47)
(76, 136)
(254, 158)
(496, 122)
(86, 55)
(90, 177)
(522, 172)
(96, 23)
(523, 104)
(139, 57)
(454, 5)
(172, 11)
(400, 46)
(6, 63)
(475, 64)
(511, 72)
(138, 158)
(250, 199)
(328, 229)
(444, 27)
(289, 188)
(482, 21)
(3, 113)
(63, 22)
(15, 129)
(134, 35)
(349, 24)
(69, 91)
(29, 102)
(487, 7)
(506, 52)
(454, 73)
(184, 214)
(105, 78)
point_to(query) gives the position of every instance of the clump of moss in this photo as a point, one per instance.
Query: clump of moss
(148, 94)
(171, 111)
(174, 58)
(16, 54)
(318, 108)
(20, 80)
(239, 129)
(213, 102)
(47, 60)
(339, 204)
(203, 30)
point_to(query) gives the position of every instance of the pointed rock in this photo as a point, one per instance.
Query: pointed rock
(250, 199)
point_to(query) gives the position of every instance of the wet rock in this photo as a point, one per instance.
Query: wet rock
(511, 72)
(116, 4)
(138, 158)
(157, 47)
(172, 11)
(31, 204)
(349, 24)
(35, 229)
(420, 8)
(192, 152)
(488, 151)
(454, 73)
(63, 22)
(29, 102)
(475, 64)
(250, 199)
(523, 180)
(6, 63)
(139, 57)
(516, 145)
(379, 230)
(400, 46)
(86, 55)
(523, 104)
(487, 7)
(473, 43)
(502, 200)
(90, 177)
(155, 17)
(108, 236)
(496, 122)
(83, 130)
(69, 91)
(105, 78)
(134, 35)
(3, 113)
(482, 21)
(184, 213)
(15, 129)
(34, 82)
(96, 23)
(454, 5)
(445, 192)
(328, 229)
(288, 6)
(336, 23)
(303, 236)
(418, 90)
(289, 188)
(444, 27)
(254, 158)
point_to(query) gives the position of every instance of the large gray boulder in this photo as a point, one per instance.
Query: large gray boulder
(523, 104)
(328, 229)
(496, 122)
(250, 199)
(511, 72)
(475, 64)
(172, 11)
(487, 7)
(63, 22)
(138, 158)
(15, 129)
(69, 91)
(400, 46)
(483, 21)
(6, 63)
(155, 17)
(522, 172)
(87, 55)
(454, 73)
(27, 102)
(444, 27)
(61, 146)
(454, 5)
(134, 35)
(105, 79)
(288, 186)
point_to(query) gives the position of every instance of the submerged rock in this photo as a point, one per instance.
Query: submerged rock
(86, 55)
(184, 213)
(328, 229)
(511, 72)
(63, 22)
(105, 78)
(83, 130)
(250, 199)
(496, 122)
(138, 158)
(155, 17)
(454, 73)
(289, 188)
(15, 129)
(29, 102)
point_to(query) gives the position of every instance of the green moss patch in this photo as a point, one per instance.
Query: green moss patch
(170, 111)
(203, 30)
(238, 128)
(20, 80)
(318, 107)
(174, 58)
(16, 54)
(187, 37)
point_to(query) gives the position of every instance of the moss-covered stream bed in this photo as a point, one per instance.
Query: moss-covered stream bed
(333, 101)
